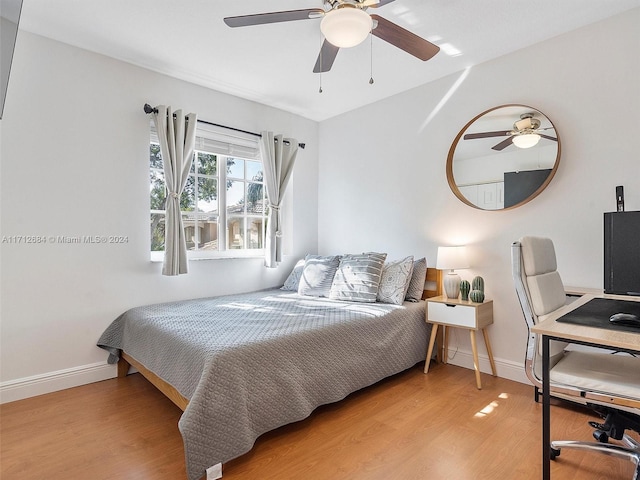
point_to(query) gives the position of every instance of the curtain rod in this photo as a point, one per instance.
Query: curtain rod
(149, 109)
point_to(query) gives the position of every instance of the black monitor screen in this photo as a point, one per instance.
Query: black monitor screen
(622, 253)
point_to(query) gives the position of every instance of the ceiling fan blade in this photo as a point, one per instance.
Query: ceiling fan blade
(326, 57)
(376, 4)
(404, 39)
(503, 144)
(548, 137)
(273, 17)
(500, 133)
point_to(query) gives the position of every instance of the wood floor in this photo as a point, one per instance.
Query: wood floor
(411, 426)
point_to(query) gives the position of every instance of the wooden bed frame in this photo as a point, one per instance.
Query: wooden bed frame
(433, 288)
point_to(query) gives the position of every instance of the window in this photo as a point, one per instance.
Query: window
(223, 203)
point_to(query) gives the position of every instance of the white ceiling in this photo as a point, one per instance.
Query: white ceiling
(272, 64)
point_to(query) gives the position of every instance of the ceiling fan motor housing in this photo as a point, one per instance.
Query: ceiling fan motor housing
(527, 123)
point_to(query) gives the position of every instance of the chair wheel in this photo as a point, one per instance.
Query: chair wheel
(555, 452)
(601, 436)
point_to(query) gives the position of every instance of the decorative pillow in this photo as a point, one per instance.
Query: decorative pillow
(317, 275)
(418, 278)
(395, 280)
(358, 277)
(293, 280)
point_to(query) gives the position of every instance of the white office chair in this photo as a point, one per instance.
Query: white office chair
(597, 380)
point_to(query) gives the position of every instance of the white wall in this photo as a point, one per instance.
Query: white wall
(383, 186)
(75, 162)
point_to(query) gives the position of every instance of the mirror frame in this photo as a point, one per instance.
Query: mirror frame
(454, 186)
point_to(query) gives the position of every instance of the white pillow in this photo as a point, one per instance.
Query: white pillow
(395, 280)
(358, 277)
(293, 280)
(317, 275)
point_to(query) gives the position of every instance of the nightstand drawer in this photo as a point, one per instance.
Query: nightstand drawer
(458, 315)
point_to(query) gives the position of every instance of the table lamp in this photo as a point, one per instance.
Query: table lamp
(452, 258)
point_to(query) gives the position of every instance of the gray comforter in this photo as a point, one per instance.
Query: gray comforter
(253, 362)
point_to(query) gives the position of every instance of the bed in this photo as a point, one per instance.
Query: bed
(269, 358)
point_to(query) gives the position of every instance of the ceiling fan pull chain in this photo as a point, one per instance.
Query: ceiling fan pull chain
(321, 41)
(371, 53)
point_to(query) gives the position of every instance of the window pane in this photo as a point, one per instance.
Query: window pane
(254, 170)
(255, 238)
(255, 202)
(155, 158)
(207, 231)
(207, 164)
(235, 167)
(235, 197)
(235, 233)
(190, 230)
(188, 197)
(207, 195)
(157, 190)
(157, 232)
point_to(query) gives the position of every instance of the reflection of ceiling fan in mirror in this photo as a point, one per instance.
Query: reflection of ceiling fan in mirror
(525, 133)
(345, 23)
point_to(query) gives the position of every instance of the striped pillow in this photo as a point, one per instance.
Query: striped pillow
(358, 277)
(317, 275)
(418, 278)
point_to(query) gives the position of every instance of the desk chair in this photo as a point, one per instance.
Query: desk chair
(608, 384)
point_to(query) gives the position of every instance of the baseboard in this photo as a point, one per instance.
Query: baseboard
(21, 388)
(504, 368)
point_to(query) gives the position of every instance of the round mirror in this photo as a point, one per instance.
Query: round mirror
(503, 157)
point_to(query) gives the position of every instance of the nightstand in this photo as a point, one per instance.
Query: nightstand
(450, 312)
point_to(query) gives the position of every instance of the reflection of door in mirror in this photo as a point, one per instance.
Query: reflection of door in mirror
(503, 158)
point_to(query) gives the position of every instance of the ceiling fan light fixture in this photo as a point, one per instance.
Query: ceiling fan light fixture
(346, 27)
(526, 140)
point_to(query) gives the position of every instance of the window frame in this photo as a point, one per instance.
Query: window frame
(241, 145)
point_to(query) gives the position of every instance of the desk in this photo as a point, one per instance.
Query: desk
(550, 329)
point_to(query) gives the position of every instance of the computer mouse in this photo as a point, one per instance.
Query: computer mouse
(625, 319)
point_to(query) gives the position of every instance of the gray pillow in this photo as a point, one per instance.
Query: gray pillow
(317, 275)
(418, 278)
(395, 280)
(358, 277)
(293, 280)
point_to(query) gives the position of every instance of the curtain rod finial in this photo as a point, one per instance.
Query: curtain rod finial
(149, 109)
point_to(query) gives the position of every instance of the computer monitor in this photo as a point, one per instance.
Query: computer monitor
(622, 253)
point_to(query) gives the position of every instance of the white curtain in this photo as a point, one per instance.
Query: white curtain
(278, 157)
(176, 135)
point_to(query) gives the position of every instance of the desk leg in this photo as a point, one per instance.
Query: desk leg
(546, 412)
(432, 340)
(476, 364)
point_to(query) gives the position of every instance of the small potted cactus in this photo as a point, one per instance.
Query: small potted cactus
(465, 288)
(477, 290)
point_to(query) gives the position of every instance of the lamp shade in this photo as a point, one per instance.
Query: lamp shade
(527, 140)
(346, 27)
(452, 258)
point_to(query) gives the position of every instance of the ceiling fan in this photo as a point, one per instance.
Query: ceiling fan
(525, 133)
(344, 24)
